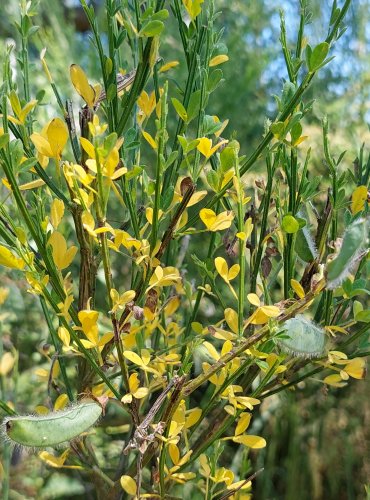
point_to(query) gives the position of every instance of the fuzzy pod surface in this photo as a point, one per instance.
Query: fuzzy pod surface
(304, 338)
(353, 245)
(38, 431)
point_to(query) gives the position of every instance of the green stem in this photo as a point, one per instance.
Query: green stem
(159, 168)
(57, 346)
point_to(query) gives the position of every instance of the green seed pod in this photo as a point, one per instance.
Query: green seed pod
(353, 246)
(305, 339)
(40, 431)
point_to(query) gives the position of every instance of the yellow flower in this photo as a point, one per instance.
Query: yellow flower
(107, 161)
(215, 222)
(254, 442)
(62, 255)
(193, 7)
(89, 93)
(7, 361)
(262, 314)
(136, 391)
(57, 461)
(147, 104)
(220, 59)
(8, 259)
(120, 301)
(169, 65)
(20, 113)
(359, 197)
(89, 326)
(205, 146)
(164, 276)
(52, 140)
(227, 274)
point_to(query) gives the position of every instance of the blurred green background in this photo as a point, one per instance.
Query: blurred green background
(318, 441)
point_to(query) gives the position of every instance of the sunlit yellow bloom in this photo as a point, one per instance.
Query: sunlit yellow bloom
(52, 140)
(136, 391)
(89, 93)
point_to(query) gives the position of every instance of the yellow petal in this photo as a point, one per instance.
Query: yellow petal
(254, 442)
(205, 146)
(6, 363)
(359, 197)
(88, 148)
(127, 399)
(64, 335)
(7, 259)
(215, 61)
(234, 271)
(297, 287)
(169, 65)
(52, 460)
(42, 145)
(62, 257)
(61, 402)
(223, 221)
(133, 382)
(150, 139)
(32, 185)
(81, 84)
(196, 198)
(192, 417)
(141, 393)
(253, 299)
(56, 212)
(212, 350)
(128, 484)
(57, 134)
(356, 368)
(231, 318)
(221, 266)
(208, 217)
(133, 357)
(243, 423)
(334, 380)
(271, 311)
(174, 453)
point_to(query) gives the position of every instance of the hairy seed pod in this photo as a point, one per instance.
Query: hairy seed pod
(39, 431)
(305, 339)
(353, 246)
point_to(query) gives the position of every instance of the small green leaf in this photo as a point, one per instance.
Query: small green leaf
(181, 111)
(161, 15)
(112, 92)
(363, 316)
(318, 56)
(278, 129)
(4, 139)
(296, 132)
(108, 66)
(305, 246)
(214, 80)
(210, 126)
(166, 199)
(227, 158)
(290, 224)
(133, 173)
(153, 28)
(212, 179)
(193, 107)
(27, 164)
